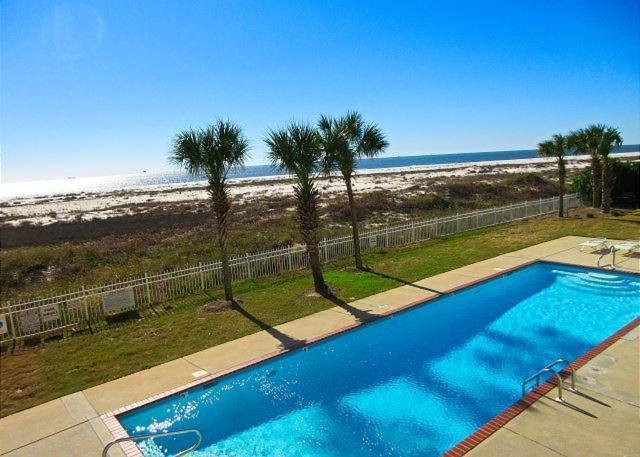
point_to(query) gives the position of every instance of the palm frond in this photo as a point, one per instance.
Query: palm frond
(212, 151)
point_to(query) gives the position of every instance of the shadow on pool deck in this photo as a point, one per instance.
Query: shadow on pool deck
(362, 316)
(404, 281)
(287, 341)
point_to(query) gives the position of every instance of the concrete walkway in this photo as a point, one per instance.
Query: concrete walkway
(72, 426)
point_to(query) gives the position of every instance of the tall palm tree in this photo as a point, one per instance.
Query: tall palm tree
(298, 150)
(558, 147)
(586, 141)
(344, 141)
(212, 152)
(609, 138)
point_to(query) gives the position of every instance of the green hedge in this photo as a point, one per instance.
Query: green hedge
(626, 187)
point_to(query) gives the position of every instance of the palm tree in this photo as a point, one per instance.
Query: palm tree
(558, 147)
(298, 150)
(586, 141)
(213, 152)
(609, 138)
(344, 141)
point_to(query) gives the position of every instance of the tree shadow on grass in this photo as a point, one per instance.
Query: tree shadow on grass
(286, 341)
(403, 281)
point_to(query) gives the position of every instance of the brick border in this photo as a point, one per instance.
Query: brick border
(131, 450)
(501, 419)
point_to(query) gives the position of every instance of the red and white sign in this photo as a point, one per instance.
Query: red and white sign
(50, 313)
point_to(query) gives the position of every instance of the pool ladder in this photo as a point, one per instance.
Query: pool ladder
(549, 369)
(193, 447)
(612, 251)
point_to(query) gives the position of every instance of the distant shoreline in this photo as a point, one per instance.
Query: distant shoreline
(103, 205)
(162, 180)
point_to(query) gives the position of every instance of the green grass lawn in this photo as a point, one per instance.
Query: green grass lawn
(35, 375)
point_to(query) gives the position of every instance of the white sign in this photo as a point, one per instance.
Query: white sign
(29, 321)
(118, 299)
(74, 305)
(50, 313)
(3, 325)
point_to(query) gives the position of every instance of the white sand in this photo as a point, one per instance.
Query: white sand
(48, 210)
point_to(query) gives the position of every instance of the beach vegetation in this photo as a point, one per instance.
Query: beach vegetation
(625, 190)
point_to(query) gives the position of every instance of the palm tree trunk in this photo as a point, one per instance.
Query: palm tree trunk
(606, 188)
(221, 209)
(561, 178)
(309, 222)
(354, 224)
(596, 174)
(316, 269)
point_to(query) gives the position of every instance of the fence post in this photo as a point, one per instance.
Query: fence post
(457, 222)
(248, 262)
(290, 257)
(85, 303)
(510, 211)
(13, 324)
(540, 207)
(201, 270)
(148, 287)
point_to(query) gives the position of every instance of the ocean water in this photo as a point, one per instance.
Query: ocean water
(142, 180)
(413, 384)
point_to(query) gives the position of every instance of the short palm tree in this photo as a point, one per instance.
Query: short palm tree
(609, 139)
(212, 152)
(298, 150)
(557, 147)
(344, 141)
(586, 141)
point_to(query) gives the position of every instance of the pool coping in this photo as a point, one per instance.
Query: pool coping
(130, 449)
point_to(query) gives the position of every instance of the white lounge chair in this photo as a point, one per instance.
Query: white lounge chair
(595, 245)
(630, 246)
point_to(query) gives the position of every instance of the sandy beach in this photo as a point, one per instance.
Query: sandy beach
(44, 210)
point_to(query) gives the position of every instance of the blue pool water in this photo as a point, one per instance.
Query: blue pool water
(413, 384)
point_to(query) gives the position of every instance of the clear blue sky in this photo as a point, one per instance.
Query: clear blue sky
(100, 87)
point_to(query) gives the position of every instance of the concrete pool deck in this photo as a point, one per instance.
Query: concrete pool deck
(72, 425)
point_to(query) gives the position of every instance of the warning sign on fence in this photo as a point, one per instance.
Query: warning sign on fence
(3, 325)
(49, 313)
(74, 305)
(118, 299)
(29, 321)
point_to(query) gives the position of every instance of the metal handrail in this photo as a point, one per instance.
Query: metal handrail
(105, 451)
(612, 251)
(549, 368)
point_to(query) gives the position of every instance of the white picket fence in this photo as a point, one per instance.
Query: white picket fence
(74, 310)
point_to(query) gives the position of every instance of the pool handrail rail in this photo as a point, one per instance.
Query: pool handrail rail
(193, 447)
(549, 368)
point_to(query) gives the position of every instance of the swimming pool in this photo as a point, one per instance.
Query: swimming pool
(412, 384)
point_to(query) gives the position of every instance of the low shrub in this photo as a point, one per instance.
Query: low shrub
(626, 184)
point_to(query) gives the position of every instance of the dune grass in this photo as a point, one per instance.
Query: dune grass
(38, 374)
